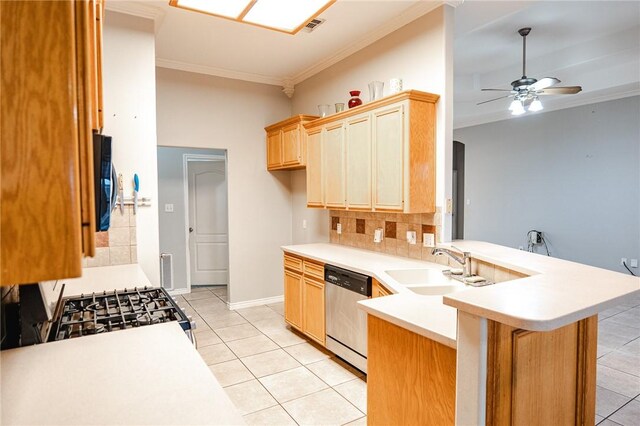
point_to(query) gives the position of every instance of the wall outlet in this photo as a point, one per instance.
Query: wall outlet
(168, 208)
(634, 263)
(623, 261)
(378, 235)
(449, 206)
(339, 228)
(411, 237)
(304, 223)
(428, 240)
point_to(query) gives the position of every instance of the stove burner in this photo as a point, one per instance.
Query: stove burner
(117, 310)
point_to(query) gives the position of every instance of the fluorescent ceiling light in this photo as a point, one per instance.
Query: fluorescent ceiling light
(288, 16)
(226, 8)
(284, 14)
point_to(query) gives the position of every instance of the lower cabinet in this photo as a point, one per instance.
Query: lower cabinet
(313, 318)
(304, 307)
(293, 298)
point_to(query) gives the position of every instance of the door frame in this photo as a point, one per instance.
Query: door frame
(186, 158)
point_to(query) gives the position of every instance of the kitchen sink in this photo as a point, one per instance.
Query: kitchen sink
(428, 282)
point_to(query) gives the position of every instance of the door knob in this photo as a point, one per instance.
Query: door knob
(190, 229)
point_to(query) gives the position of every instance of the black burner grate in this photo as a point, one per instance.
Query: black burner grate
(117, 310)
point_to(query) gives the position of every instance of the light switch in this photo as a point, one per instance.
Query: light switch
(411, 237)
(304, 223)
(168, 208)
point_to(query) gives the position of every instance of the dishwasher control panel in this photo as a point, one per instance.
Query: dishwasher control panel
(348, 280)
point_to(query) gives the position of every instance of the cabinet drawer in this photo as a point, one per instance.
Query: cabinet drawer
(314, 270)
(293, 263)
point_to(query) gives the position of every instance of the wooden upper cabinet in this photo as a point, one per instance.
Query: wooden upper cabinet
(274, 149)
(358, 158)
(286, 143)
(314, 168)
(47, 114)
(333, 169)
(388, 142)
(384, 159)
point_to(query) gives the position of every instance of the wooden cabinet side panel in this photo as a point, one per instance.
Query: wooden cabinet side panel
(313, 309)
(411, 379)
(293, 299)
(541, 378)
(421, 186)
(40, 217)
(87, 117)
(274, 149)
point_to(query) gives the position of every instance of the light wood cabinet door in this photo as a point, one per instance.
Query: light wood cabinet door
(358, 159)
(274, 149)
(313, 309)
(291, 145)
(333, 171)
(293, 298)
(388, 142)
(46, 159)
(314, 169)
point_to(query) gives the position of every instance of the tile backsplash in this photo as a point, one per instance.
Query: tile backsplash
(358, 229)
(118, 245)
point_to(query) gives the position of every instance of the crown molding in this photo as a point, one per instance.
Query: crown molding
(586, 100)
(219, 72)
(419, 9)
(137, 9)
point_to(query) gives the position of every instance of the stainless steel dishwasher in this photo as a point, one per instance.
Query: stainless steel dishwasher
(346, 324)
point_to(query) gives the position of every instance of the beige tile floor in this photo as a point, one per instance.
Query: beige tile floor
(275, 376)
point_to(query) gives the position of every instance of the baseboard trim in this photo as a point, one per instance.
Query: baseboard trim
(256, 302)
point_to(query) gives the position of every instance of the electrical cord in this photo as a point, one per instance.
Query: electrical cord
(630, 271)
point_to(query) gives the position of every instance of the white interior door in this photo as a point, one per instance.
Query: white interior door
(208, 224)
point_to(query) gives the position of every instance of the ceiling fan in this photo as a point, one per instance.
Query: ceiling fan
(525, 90)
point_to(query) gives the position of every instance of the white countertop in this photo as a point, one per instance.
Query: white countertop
(424, 315)
(142, 376)
(559, 293)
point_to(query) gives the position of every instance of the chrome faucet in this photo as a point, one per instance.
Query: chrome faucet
(464, 261)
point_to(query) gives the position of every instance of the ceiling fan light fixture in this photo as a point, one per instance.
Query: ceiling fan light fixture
(514, 104)
(536, 105)
(518, 108)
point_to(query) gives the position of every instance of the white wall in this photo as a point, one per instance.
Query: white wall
(130, 117)
(202, 111)
(171, 191)
(421, 54)
(573, 174)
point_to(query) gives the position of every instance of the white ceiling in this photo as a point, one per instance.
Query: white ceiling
(195, 41)
(595, 44)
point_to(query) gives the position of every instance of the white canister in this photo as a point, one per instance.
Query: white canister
(395, 85)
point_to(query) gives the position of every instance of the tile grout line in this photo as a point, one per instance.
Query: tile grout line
(618, 409)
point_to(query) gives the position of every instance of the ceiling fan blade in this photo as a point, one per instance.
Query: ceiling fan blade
(569, 90)
(495, 99)
(543, 83)
(496, 90)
